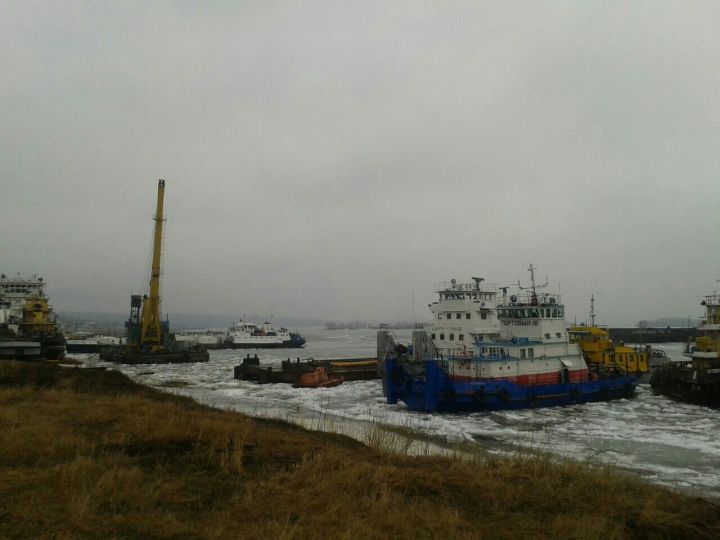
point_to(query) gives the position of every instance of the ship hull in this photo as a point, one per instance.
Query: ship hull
(435, 391)
(256, 345)
(687, 384)
(296, 341)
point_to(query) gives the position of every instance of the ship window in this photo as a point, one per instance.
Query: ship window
(483, 315)
(461, 337)
(560, 312)
(439, 315)
(433, 336)
(467, 315)
(458, 315)
(555, 312)
(522, 353)
(442, 336)
(452, 337)
(449, 316)
(531, 352)
(557, 334)
(534, 312)
(547, 336)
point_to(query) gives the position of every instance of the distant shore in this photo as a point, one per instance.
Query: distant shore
(89, 453)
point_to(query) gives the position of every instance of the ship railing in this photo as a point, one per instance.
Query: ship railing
(449, 286)
(526, 299)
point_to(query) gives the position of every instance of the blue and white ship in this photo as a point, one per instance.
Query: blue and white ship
(246, 335)
(515, 355)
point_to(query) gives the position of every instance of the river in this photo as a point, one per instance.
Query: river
(668, 443)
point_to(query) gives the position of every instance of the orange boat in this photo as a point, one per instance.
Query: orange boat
(318, 379)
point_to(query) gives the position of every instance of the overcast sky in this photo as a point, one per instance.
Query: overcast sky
(327, 159)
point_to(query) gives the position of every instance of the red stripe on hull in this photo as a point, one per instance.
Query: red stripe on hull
(535, 379)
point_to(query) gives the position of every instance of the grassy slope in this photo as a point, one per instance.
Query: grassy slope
(89, 454)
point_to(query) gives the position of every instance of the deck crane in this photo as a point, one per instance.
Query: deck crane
(148, 337)
(145, 330)
(150, 334)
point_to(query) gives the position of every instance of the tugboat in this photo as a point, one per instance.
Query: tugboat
(698, 379)
(28, 317)
(245, 335)
(599, 350)
(148, 337)
(529, 362)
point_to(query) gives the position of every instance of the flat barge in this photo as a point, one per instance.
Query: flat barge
(290, 371)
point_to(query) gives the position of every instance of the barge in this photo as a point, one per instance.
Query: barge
(290, 371)
(696, 380)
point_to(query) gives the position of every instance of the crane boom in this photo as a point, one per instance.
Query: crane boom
(151, 335)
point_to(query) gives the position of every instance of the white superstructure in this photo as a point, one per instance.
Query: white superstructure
(464, 313)
(519, 337)
(14, 292)
(255, 335)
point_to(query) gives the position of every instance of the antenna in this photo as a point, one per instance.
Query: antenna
(592, 309)
(533, 287)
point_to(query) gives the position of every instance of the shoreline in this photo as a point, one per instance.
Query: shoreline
(104, 456)
(415, 436)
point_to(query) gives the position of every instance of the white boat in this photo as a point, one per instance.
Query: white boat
(246, 335)
(213, 340)
(92, 344)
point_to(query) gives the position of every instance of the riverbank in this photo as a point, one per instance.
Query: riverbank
(88, 453)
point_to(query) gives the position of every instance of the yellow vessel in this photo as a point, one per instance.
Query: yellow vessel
(599, 350)
(38, 324)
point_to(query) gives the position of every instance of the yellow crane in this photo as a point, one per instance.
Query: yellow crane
(148, 337)
(150, 331)
(145, 331)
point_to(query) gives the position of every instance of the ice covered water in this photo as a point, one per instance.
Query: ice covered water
(670, 443)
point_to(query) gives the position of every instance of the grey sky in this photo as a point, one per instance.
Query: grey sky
(326, 159)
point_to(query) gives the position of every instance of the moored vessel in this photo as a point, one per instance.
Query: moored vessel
(247, 335)
(290, 371)
(148, 336)
(91, 344)
(696, 380)
(524, 360)
(599, 350)
(26, 315)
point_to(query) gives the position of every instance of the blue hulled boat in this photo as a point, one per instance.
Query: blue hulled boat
(518, 356)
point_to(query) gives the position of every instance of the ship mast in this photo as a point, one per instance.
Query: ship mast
(533, 287)
(151, 334)
(592, 310)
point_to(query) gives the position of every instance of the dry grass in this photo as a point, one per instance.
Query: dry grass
(88, 454)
